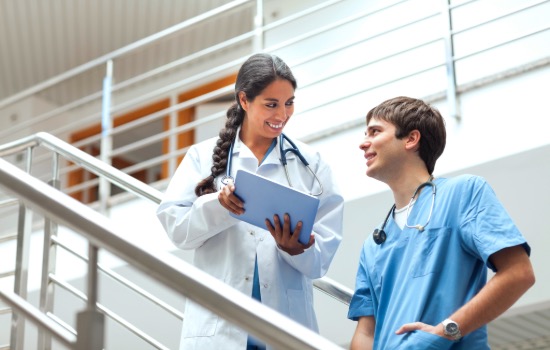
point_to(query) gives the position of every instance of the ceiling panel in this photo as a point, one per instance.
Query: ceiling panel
(42, 39)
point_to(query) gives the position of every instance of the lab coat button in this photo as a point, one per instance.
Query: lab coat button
(252, 233)
(247, 278)
(265, 285)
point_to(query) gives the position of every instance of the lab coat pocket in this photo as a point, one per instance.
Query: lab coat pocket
(431, 250)
(297, 306)
(198, 321)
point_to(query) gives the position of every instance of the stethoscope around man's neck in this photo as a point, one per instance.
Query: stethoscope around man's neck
(379, 235)
(283, 151)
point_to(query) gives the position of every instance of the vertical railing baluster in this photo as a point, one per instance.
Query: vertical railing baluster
(24, 226)
(452, 97)
(106, 137)
(258, 26)
(173, 138)
(49, 258)
(91, 322)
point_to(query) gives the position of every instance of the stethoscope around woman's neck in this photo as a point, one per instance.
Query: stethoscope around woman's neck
(283, 151)
(379, 235)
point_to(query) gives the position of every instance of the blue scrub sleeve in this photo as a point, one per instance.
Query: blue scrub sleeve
(487, 227)
(361, 303)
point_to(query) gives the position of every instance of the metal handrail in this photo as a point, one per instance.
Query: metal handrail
(33, 314)
(112, 315)
(496, 18)
(132, 185)
(8, 238)
(87, 161)
(125, 282)
(7, 274)
(263, 322)
(126, 182)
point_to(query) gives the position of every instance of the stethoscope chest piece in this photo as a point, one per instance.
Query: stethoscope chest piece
(379, 236)
(227, 180)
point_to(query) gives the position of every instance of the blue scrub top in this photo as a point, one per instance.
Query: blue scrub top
(426, 276)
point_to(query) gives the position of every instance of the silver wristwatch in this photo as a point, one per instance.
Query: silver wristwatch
(451, 329)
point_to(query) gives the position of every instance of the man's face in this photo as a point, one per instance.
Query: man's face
(382, 150)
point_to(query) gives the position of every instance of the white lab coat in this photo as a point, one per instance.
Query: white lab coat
(226, 247)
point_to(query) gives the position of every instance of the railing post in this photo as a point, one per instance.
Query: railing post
(106, 137)
(452, 97)
(258, 26)
(172, 138)
(24, 227)
(90, 323)
(49, 256)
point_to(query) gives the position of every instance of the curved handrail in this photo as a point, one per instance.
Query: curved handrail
(260, 320)
(132, 185)
(85, 160)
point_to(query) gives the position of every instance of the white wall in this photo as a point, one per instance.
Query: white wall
(497, 120)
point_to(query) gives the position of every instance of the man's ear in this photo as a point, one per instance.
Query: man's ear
(413, 140)
(243, 101)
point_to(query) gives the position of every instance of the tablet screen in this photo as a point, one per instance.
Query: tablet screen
(264, 198)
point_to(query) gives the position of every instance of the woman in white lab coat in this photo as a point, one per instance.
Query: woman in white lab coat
(267, 264)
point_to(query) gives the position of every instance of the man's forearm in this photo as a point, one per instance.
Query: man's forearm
(513, 278)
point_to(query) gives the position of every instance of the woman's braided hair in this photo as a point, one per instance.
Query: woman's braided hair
(255, 75)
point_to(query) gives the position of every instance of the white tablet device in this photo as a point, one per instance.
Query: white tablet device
(263, 198)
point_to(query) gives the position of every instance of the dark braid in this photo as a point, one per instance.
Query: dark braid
(255, 75)
(235, 116)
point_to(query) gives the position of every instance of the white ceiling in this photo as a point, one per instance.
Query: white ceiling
(42, 39)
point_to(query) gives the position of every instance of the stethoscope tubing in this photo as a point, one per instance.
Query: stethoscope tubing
(418, 226)
(283, 151)
(379, 235)
(227, 177)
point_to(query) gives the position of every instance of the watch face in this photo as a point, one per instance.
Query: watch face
(451, 328)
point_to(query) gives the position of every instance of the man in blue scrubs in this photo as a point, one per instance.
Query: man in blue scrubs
(422, 276)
